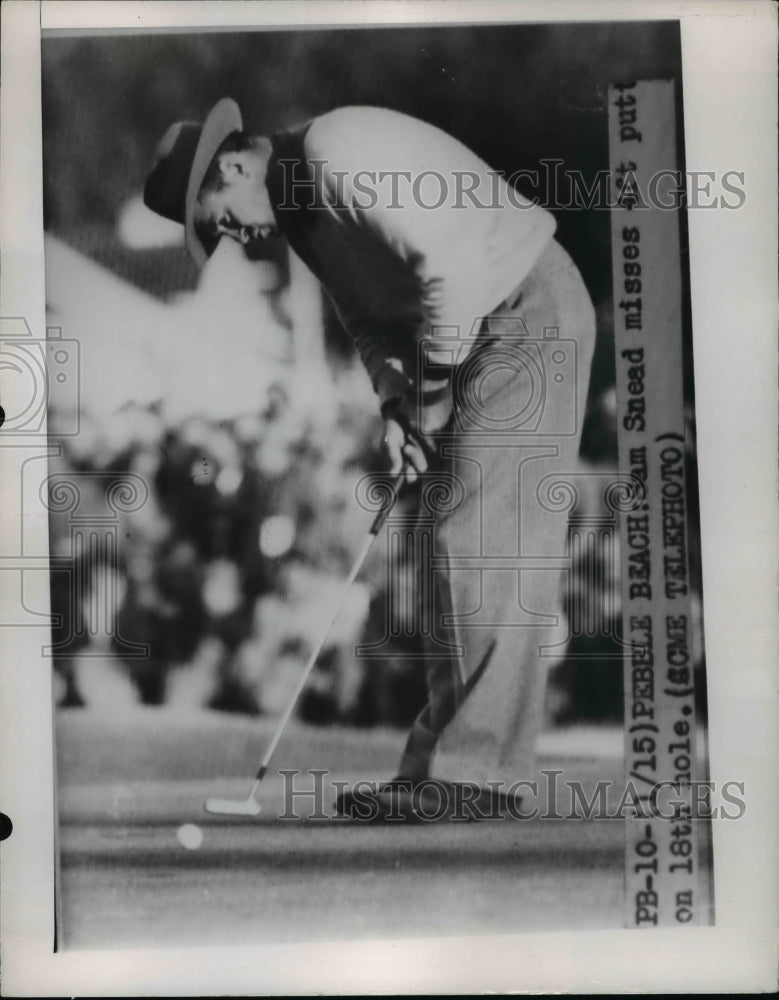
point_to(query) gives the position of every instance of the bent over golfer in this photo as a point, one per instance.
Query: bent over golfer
(477, 332)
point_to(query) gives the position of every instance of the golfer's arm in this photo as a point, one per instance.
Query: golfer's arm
(389, 379)
(442, 259)
(423, 246)
(375, 347)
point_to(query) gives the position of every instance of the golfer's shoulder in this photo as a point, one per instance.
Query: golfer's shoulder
(364, 130)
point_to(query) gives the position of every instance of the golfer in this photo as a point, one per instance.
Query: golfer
(477, 332)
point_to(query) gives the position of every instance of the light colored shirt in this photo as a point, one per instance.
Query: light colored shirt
(411, 234)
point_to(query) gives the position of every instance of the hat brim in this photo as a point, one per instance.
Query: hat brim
(223, 119)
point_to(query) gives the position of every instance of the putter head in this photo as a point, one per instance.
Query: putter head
(233, 807)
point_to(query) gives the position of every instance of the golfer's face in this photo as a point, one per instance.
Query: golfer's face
(242, 209)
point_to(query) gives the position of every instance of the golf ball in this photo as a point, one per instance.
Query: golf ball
(190, 836)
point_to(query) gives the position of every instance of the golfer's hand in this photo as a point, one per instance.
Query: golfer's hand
(402, 451)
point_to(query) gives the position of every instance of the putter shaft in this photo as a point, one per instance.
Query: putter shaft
(241, 806)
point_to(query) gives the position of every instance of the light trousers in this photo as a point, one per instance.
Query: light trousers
(492, 531)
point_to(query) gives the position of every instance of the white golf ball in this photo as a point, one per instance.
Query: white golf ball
(190, 836)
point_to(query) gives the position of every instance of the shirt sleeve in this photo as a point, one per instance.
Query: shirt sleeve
(389, 374)
(466, 239)
(387, 172)
(377, 346)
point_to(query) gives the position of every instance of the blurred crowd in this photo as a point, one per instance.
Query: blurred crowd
(213, 580)
(220, 569)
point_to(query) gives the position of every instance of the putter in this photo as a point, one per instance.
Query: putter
(250, 806)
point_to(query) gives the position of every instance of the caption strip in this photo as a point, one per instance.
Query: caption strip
(663, 884)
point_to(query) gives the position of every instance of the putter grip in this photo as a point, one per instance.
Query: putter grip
(392, 496)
